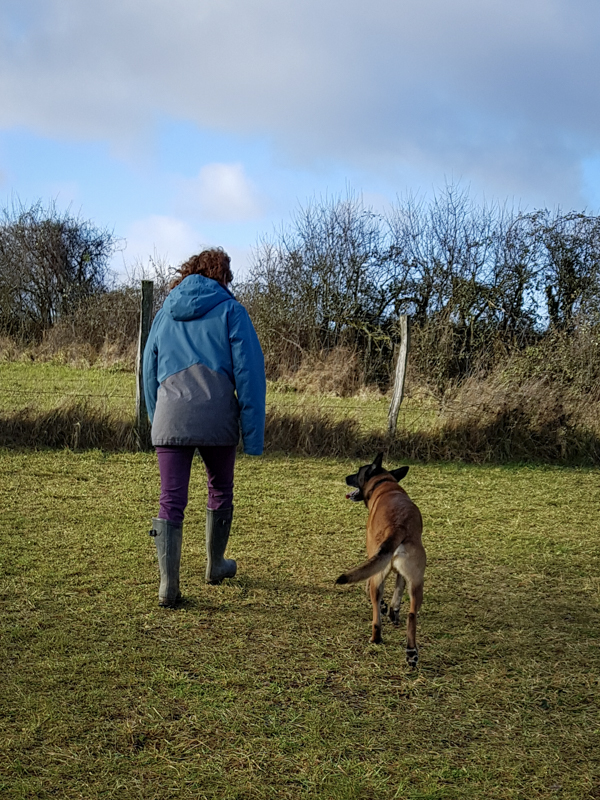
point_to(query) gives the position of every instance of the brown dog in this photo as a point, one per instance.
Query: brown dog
(394, 529)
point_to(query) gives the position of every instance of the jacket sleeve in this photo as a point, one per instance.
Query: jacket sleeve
(150, 369)
(250, 381)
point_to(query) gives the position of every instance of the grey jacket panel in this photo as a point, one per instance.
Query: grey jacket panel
(196, 406)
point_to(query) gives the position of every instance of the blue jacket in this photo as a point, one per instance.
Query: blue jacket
(204, 371)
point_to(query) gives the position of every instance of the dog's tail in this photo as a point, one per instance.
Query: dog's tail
(375, 564)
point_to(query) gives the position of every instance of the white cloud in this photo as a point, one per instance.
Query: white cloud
(65, 193)
(159, 237)
(502, 91)
(241, 259)
(169, 241)
(221, 193)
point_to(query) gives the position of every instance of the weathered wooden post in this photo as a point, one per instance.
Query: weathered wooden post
(399, 374)
(142, 427)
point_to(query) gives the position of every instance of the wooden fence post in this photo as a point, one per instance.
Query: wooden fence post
(142, 427)
(399, 375)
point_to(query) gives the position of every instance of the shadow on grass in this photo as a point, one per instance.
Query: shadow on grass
(512, 434)
(283, 584)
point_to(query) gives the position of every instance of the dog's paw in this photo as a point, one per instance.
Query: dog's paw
(412, 657)
(376, 637)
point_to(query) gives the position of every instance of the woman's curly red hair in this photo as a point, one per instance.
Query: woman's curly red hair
(212, 263)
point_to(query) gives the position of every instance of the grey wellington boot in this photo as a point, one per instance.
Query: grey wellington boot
(218, 525)
(167, 538)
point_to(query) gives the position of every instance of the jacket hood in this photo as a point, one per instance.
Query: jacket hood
(194, 297)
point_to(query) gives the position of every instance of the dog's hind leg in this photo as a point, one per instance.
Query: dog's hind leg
(397, 599)
(416, 598)
(382, 604)
(376, 592)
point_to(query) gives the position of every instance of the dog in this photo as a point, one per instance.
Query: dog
(394, 530)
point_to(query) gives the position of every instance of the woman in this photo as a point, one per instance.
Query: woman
(204, 379)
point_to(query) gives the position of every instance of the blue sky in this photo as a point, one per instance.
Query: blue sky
(184, 123)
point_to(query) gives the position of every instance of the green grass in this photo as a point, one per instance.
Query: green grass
(44, 386)
(267, 687)
(369, 410)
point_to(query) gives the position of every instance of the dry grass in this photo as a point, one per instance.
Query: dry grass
(310, 432)
(81, 424)
(335, 372)
(498, 420)
(59, 349)
(76, 424)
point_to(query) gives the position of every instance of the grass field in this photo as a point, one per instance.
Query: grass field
(43, 386)
(267, 687)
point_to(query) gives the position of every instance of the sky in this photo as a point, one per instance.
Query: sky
(181, 124)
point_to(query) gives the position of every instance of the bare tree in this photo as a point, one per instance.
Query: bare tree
(478, 280)
(320, 283)
(49, 263)
(569, 256)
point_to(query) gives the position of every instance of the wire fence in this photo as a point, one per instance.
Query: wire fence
(481, 427)
(279, 400)
(61, 393)
(316, 415)
(279, 403)
(285, 410)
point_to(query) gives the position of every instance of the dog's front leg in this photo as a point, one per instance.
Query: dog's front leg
(376, 593)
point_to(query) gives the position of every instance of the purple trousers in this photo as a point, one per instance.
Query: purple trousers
(175, 465)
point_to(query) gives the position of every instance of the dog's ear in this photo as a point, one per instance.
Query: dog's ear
(399, 473)
(373, 469)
